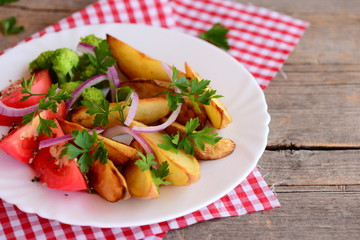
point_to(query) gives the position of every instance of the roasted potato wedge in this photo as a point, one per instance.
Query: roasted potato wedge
(108, 182)
(140, 183)
(216, 110)
(184, 169)
(118, 152)
(221, 149)
(149, 111)
(147, 88)
(135, 64)
(188, 111)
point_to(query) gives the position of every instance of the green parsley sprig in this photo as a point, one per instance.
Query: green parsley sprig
(102, 109)
(51, 99)
(9, 27)
(176, 142)
(217, 36)
(158, 174)
(88, 147)
(102, 59)
(196, 91)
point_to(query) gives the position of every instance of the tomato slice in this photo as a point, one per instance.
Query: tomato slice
(58, 172)
(11, 95)
(22, 142)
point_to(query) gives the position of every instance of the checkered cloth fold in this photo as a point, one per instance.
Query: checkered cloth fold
(260, 39)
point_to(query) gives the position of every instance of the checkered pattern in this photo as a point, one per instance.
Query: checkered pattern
(260, 39)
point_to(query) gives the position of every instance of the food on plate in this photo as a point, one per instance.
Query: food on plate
(67, 115)
(216, 110)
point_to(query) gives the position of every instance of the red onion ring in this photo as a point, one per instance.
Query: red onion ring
(132, 111)
(118, 130)
(114, 78)
(16, 112)
(57, 140)
(85, 48)
(88, 83)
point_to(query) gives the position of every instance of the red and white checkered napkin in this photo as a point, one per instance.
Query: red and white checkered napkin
(260, 39)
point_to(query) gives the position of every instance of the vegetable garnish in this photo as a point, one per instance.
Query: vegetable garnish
(217, 36)
(52, 98)
(102, 59)
(158, 174)
(3, 2)
(175, 142)
(196, 91)
(88, 146)
(8, 26)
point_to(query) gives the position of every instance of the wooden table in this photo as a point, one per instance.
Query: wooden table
(313, 153)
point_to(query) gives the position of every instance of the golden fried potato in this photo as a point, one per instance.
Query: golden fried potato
(221, 149)
(216, 110)
(149, 111)
(147, 88)
(108, 182)
(118, 152)
(188, 111)
(135, 64)
(184, 169)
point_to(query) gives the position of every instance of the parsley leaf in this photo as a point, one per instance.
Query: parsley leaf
(191, 138)
(88, 147)
(3, 2)
(217, 36)
(197, 91)
(8, 26)
(50, 102)
(102, 59)
(158, 174)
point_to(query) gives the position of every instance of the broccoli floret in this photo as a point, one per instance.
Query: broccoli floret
(91, 39)
(86, 70)
(93, 94)
(70, 86)
(43, 61)
(62, 61)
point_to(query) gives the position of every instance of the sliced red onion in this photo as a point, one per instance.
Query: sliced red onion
(85, 48)
(88, 83)
(113, 77)
(173, 116)
(58, 140)
(132, 111)
(118, 130)
(16, 112)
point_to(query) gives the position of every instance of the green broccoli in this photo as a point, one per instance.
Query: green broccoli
(62, 62)
(70, 86)
(86, 70)
(91, 39)
(93, 94)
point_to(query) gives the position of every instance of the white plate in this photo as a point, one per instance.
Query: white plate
(249, 130)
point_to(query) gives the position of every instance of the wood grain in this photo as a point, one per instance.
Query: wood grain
(314, 142)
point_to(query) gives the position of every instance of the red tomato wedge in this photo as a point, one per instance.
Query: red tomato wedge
(22, 142)
(11, 96)
(58, 172)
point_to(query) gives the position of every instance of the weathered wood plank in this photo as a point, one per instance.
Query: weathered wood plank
(303, 215)
(311, 168)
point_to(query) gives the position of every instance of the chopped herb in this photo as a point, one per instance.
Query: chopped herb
(50, 102)
(102, 59)
(158, 174)
(191, 137)
(217, 36)
(88, 147)
(3, 2)
(195, 90)
(8, 26)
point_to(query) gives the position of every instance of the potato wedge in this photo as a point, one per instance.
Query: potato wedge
(216, 110)
(184, 169)
(108, 182)
(135, 64)
(118, 152)
(147, 88)
(149, 111)
(221, 149)
(188, 111)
